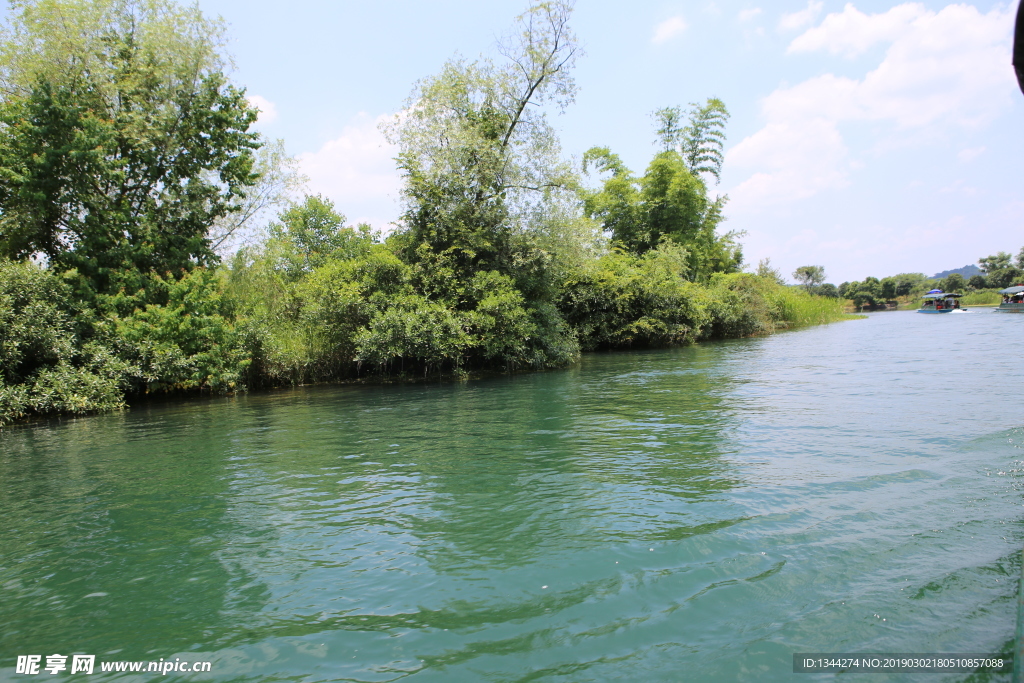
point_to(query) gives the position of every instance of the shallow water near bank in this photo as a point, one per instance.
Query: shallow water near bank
(692, 514)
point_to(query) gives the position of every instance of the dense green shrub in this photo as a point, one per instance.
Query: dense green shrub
(413, 329)
(332, 307)
(500, 325)
(623, 300)
(188, 343)
(491, 326)
(48, 363)
(742, 305)
(260, 324)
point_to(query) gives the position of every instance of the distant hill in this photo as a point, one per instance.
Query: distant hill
(966, 271)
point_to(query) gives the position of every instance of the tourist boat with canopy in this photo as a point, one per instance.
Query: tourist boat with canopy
(1013, 299)
(937, 301)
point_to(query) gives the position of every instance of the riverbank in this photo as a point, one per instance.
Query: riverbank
(227, 330)
(912, 303)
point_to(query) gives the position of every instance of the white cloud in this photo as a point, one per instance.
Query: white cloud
(268, 110)
(851, 32)
(970, 153)
(941, 70)
(748, 14)
(805, 17)
(668, 29)
(795, 160)
(960, 187)
(357, 171)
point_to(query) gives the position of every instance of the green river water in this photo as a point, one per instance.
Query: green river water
(693, 514)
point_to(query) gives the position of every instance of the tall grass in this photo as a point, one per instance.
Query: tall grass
(797, 308)
(982, 297)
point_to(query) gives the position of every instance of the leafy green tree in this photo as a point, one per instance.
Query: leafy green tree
(617, 206)
(122, 151)
(700, 143)
(901, 285)
(673, 202)
(486, 192)
(827, 290)
(954, 283)
(478, 156)
(998, 261)
(63, 42)
(1000, 270)
(765, 270)
(1005, 277)
(305, 236)
(701, 140)
(809, 276)
(866, 293)
(976, 282)
(669, 202)
(303, 293)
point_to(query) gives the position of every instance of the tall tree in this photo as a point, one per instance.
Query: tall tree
(810, 276)
(954, 283)
(902, 284)
(767, 271)
(698, 134)
(617, 204)
(1000, 270)
(306, 235)
(121, 139)
(476, 151)
(990, 264)
(669, 202)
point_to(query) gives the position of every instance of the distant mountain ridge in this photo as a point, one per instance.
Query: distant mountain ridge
(967, 271)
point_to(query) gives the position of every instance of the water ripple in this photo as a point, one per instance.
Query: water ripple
(697, 514)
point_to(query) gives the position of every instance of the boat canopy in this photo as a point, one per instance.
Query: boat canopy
(1012, 290)
(936, 294)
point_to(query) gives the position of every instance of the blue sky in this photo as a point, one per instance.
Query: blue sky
(868, 137)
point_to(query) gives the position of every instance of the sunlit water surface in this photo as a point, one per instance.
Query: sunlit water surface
(693, 514)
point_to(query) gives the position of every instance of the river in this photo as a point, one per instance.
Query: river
(699, 514)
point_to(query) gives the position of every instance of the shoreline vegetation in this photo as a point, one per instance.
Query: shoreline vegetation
(903, 292)
(139, 255)
(209, 340)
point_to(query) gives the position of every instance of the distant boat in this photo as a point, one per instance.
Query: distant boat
(937, 301)
(1013, 299)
